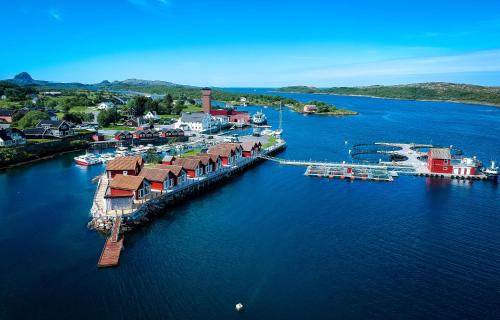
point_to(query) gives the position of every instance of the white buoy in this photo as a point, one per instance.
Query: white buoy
(239, 307)
(345, 142)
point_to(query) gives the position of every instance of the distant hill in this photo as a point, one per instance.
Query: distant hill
(441, 91)
(25, 79)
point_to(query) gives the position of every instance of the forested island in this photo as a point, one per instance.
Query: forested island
(439, 91)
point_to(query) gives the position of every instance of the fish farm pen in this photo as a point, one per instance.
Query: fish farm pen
(350, 173)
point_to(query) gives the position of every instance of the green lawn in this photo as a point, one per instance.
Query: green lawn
(168, 116)
(80, 109)
(272, 141)
(191, 153)
(39, 140)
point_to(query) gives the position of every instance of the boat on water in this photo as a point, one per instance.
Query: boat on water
(105, 157)
(87, 160)
(491, 172)
(259, 118)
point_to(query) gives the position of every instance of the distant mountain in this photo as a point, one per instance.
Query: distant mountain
(139, 82)
(441, 91)
(25, 79)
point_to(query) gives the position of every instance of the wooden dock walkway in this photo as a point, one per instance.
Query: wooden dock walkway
(113, 247)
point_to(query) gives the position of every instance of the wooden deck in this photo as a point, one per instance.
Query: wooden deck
(113, 247)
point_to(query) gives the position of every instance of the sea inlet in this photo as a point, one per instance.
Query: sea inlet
(284, 245)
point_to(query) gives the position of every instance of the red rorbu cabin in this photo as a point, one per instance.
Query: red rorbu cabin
(159, 179)
(124, 165)
(178, 172)
(128, 186)
(193, 167)
(439, 160)
(168, 160)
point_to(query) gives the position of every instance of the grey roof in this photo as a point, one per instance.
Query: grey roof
(36, 131)
(168, 158)
(6, 112)
(192, 117)
(51, 123)
(440, 153)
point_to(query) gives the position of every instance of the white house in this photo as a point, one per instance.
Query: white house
(196, 121)
(151, 115)
(105, 105)
(11, 137)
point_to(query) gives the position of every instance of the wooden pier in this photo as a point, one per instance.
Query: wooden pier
(113, 247)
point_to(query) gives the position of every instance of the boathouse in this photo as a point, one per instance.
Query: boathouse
(215, 160)
(168, 160)
(193, 167)
(179, 173)
(125, 166)
(159, 179)
(439, 160)
(208, 163)
(131, 186)
(250, 148)
(123, 135)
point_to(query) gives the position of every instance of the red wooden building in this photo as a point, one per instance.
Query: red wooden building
(128, 186)
(250, 148)
(124, 165)
(168, 160)
(208, 163)
(178, 172)
(123, 135)
(194, 167)
(215, 160)
(160, 179)
(439, 160)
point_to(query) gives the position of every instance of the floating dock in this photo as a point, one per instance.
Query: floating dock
(113, 247)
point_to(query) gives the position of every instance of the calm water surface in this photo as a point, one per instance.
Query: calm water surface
(285, 245)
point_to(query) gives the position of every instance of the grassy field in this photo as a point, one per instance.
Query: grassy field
(191, 153)
(272, 141)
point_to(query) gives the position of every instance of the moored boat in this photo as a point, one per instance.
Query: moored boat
(87, 160)
(259, 118)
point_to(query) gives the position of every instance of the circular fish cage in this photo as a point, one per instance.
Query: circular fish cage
(374, 153)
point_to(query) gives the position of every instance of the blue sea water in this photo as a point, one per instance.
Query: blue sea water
(285, 245)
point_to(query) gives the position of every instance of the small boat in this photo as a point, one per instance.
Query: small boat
(239, 307)
(105, 157)
(491, 172)
(87, 160)
(259, 118)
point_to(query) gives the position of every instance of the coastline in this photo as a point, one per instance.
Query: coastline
(47, 157)
(376, 97)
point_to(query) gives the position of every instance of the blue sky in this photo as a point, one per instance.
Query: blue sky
(252, 43)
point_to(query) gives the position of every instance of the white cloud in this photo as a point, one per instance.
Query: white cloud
(482, 61)
(55, 14)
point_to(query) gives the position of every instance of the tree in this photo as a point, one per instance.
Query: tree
(140, 105)
(153, 105)
(31, 118)
(167, 104)
(107, 117)
(152, 157)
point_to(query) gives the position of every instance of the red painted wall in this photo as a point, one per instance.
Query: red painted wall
(438, 166)
(247, 154)
(118, 192)
(115, 172)
(191, 173)
(157, 185)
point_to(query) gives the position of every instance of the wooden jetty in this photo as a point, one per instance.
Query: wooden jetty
(113, 247)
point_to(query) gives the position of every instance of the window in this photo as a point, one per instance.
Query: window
(446, 161)
(125, 173)
(445, 168)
